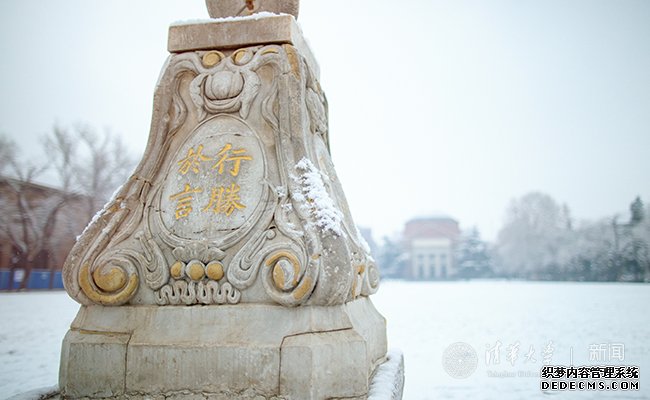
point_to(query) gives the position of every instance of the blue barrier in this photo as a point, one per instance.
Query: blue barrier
(5, 274)
(58, 280)
(39, 279)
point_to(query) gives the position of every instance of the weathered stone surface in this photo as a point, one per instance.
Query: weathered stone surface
(231, 8)
(387, 382)
(95, 357)
(368, 323)
(324, 365)
(221, 350)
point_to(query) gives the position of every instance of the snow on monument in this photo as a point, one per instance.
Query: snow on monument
(228, 265)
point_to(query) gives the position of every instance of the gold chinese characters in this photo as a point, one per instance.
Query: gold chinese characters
(223, 199)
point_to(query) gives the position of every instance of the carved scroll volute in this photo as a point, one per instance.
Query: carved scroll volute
(106, 264)
(288, 276)
(94, 275)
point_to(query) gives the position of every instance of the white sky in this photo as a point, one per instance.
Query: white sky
(449, 106)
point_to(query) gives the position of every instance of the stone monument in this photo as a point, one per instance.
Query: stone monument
(228, 265)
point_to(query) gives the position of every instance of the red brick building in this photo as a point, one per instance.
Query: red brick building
(38, 227)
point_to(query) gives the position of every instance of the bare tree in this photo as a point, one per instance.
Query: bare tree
(104, 167)
(85, 168)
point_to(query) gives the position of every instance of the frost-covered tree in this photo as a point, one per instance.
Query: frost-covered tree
(473, 256)
(637, 212)
(592, 253)
(36, 218)
(391, 258)
(532, 242)
(635, 244)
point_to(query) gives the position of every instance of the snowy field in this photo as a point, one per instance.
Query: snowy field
(582, 321)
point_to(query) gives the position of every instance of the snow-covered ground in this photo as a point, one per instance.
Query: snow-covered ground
(423, 320)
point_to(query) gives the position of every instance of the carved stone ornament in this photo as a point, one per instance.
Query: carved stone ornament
(232, 8)
(228, 265)
(236, 199)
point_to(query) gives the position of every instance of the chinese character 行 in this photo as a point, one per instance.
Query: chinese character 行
(227, 154)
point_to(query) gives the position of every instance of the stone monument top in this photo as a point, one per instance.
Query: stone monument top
(235, 8)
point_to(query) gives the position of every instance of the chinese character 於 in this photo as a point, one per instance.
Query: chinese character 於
(192, 161)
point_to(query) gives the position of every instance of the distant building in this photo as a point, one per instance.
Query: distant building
(430, 244)
(35, 239)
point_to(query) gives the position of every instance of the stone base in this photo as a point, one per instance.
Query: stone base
(387, 384)
(222, 352)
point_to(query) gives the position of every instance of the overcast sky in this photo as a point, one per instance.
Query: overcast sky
(436, 107)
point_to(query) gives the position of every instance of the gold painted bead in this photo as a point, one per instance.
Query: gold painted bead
(284, 275)
(109, 278)
(212, 58)
(241, 57)
(195, 270)
(214, 270)
(176, 270)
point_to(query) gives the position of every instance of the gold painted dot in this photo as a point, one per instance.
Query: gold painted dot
(212, 58)
(271, 51)
(279, 277)
(176, 270)
(110, 279)
(195, 270)
(241, 57)
(214, 270)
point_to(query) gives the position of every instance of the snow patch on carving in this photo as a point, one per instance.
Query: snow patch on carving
(315, 200)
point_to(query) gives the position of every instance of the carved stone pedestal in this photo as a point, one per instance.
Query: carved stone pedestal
(240, 351)
(228, 266)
